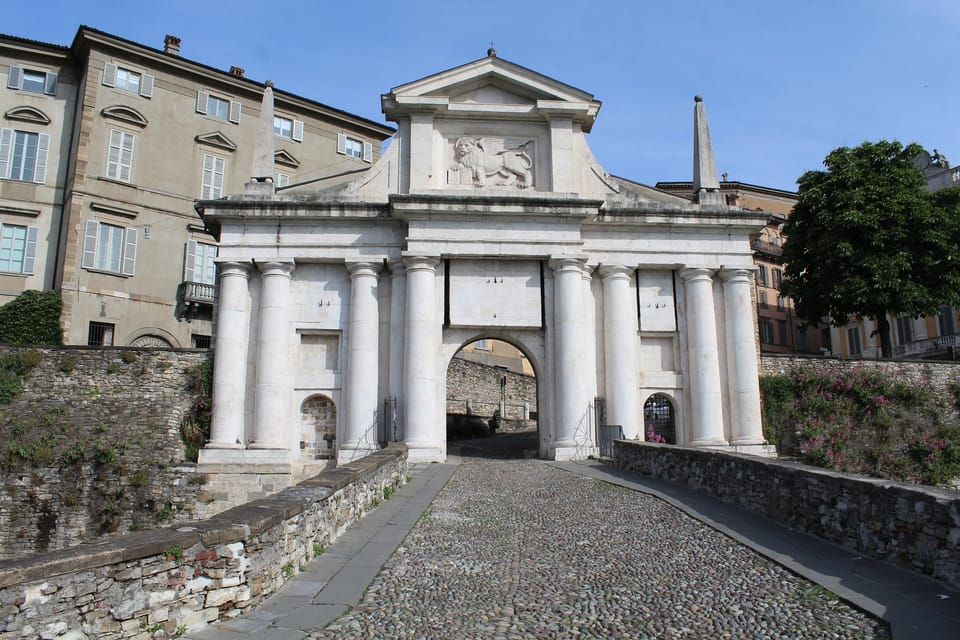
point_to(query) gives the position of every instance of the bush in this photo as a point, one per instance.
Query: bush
(195, 427)
(33, 317)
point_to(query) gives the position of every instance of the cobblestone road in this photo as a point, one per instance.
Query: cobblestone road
(521, 549)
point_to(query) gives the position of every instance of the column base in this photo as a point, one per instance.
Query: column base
(709, 442)
(763, 450)
(244, 456)
(576, 452)
(426, 453)
(346, 456)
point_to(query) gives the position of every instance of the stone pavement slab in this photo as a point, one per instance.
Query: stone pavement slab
(333, 582)
(916, 607)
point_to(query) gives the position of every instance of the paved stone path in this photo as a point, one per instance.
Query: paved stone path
(521, 549)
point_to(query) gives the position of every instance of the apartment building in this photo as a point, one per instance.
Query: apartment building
(106, 145)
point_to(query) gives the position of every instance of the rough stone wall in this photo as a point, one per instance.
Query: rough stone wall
(937, 374)
(916, 527)
(91, 446)
(480, 385)
(183, 578)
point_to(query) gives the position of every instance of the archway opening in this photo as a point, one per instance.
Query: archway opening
(492, 401)
(658, 419)
(318, 427)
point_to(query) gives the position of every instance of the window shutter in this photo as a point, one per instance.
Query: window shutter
(341, 143)
(367, 152)
(110, 74)
(146, 85)
(14, 77)
(188, 266)
(234, 112)
(6, 148)
(90, 244)
(30, 253)
(298, 130)
(202, 102)
(130, 251)
(50, 85)
(43, 146)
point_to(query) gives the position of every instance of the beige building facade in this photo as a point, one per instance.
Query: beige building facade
(127, 138)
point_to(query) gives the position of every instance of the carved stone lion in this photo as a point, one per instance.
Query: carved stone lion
(513, 165)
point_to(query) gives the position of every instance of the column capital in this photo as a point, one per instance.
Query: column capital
(233, 268)
(364, 268)
(737, 274)
(567, 263)
(279, 267)
(691, 274)
(615, 272)
(421, 263)
(396, 267)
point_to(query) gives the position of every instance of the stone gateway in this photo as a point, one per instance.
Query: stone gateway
(487, 217)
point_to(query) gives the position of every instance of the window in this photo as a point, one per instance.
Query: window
(762, 276)
(120, 156)
(904, 330)
(32, 80)
(217, 107)
(853, 340)
(281, 179)
(100, 334)
(766, 331)
(763, 300)
(199, 265)
(288, 128)
(23, 155)
(128, 80)
(212, 184)
(110, 248)
(354, 148)
(777, 278)
(482, 345)
(946, 321)
(782, 331)
(198, 341)
(780, 304)
(18, 248)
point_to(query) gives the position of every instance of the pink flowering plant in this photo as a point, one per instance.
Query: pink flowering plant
(864, 421)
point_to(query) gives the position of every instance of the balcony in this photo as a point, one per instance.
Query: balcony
(195, 299)
(939, 347)
(767, 248)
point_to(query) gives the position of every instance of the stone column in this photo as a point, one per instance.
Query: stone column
(620, 325)
(230, 374)
(398, 288)
(419, 359)
(571, 412)
(745, 425)
(361, 387)
(706, 406)
(271, 429)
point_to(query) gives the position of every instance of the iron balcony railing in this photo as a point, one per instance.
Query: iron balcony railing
(928, 346)
(768, 248)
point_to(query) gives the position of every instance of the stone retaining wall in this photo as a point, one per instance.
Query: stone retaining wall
(917, 527)
(162, 582)
(479, 385)
(938, 374)
(91, 446)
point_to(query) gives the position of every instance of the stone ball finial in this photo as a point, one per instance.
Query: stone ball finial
(269, 83)
(698, 98)
(491, 53)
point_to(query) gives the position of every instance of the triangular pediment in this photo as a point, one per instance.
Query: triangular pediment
(283, 157)
(489, 85)
(216, 139)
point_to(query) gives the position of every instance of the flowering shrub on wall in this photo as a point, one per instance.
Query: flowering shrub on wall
(864, 421)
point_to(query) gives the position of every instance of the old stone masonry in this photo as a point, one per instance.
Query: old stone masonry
(521, 549)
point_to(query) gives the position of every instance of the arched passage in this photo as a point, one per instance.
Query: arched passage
(318, 427)
(492, 400)
(659, 419)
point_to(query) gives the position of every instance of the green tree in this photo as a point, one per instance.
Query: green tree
(867, 239)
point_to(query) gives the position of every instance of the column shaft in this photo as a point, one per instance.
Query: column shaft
(230, 375)
(270, 427)
(706, 420)
(398, 287)
(420, 355)
(361, 390)
(568, 305)
(745, 424)
(620, 350)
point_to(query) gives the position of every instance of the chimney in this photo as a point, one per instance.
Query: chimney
(236, 71)
(171, 45)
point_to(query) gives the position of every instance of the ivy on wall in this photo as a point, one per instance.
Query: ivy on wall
(33, 317)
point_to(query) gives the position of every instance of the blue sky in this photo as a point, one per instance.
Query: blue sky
(784, 81)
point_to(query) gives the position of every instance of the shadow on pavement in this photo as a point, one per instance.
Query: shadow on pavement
(503, 446)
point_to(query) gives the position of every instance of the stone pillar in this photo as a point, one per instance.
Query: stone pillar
(706, 406)
(361, 387)
(424, 438)
(620, 325)
(572, 419)
(230, 374)
(561, 151)
(398, 287)
(422, 163)
(745, 425)
(271, 426)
